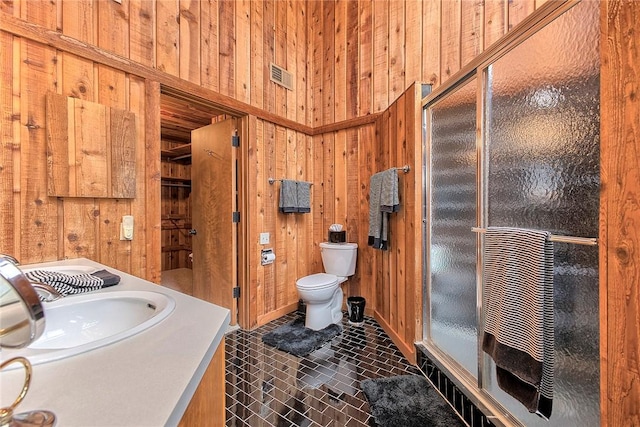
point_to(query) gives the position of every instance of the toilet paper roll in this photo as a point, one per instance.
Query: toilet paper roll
(268, 258)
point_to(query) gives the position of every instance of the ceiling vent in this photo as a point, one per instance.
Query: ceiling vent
(281, 76)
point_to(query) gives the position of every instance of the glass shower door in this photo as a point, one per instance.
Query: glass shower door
(452, 250)
(542, 139)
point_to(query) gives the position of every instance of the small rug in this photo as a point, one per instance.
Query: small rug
(408, 401)
(295, 339)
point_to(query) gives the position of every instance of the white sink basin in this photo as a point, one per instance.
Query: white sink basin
(80, 323)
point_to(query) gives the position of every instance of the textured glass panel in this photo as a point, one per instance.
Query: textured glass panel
(543, 150)
(453, 325)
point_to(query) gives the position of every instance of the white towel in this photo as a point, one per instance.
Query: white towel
(518, 301)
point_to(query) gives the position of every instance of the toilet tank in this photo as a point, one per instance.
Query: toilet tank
(339, 258)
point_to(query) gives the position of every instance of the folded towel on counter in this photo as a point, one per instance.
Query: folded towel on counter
(383, 200)
(70, 284)
(303, 193)
(288, 196)
(518, 298)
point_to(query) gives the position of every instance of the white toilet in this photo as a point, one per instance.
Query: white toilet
(321, 292)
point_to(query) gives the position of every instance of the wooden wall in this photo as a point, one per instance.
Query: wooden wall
(213, 49)
(366, 53)
(41, 228)
(397, 273)
(620, 215)
(351, 60)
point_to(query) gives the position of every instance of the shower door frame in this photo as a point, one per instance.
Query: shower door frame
(473, 388)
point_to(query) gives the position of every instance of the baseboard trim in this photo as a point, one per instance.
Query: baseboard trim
(407, 350)
(276, 314)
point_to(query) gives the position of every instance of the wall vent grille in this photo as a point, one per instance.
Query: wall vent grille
(281, 76)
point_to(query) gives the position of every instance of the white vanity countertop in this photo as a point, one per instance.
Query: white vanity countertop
(144, 380)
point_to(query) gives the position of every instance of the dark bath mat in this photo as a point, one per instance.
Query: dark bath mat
(408, 401)
(294, 338)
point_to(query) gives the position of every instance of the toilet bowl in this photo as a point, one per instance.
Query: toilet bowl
(322, 295)
(322, 292)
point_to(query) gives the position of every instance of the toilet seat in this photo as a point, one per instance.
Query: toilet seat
(317, 281)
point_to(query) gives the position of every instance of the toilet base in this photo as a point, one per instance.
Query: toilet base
(321, 315)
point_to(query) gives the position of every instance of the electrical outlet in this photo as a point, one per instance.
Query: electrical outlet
(264, 238)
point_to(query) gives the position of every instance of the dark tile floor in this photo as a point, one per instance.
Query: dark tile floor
(268, 387)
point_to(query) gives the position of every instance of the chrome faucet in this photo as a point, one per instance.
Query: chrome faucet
(11, 259)
(47, 292)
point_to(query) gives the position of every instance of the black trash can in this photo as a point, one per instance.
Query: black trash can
(355, 307)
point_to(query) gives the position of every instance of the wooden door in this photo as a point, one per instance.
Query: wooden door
(214, 201)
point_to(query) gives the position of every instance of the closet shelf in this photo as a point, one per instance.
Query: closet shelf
(176, 248)
(179, 153)
(169, 181)
(175, 217)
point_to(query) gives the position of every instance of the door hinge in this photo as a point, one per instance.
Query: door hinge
(236, 292)
(236, 217)
(235, 140)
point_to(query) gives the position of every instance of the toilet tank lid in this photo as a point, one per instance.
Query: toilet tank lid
(343, 246)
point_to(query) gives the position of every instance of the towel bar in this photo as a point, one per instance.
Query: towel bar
(589, 241)
(273, 180)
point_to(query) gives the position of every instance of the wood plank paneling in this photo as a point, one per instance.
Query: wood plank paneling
(365, 57)
(380, 56)
(244, 67)
(397, 58)
(79, 20)
(450, 42)
(168, 36)
(38, 221)
(431, 40)
(619, 235)
(113, 23)
(47, 54)
(141, 40)
(209, 41)
(256, 57)
(339, 74)
(189, 31)
(226, 13)
(8, 215)
(472, 40)
(495, 19)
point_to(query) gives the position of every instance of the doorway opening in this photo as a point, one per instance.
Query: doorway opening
(182, 269)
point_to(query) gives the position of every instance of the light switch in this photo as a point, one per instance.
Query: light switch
(126, 228)
(264, 238)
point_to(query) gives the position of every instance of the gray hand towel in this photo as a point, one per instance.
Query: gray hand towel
(288, 196)
(303, 196)
(383, 199)
(375, 215)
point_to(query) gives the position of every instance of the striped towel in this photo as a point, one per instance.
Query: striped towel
(71, 284)
(518, 299)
